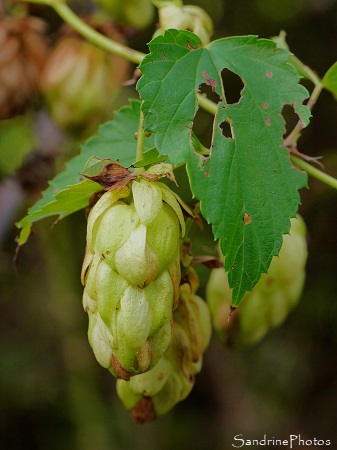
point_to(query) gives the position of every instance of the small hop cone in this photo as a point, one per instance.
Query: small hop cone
(131, 273)
(156, 392)
(272, 298)
(23, 51)
(134, 13)
(80, 81)
(184, 17)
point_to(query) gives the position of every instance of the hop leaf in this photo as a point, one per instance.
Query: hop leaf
(246, 175)
(270, 301)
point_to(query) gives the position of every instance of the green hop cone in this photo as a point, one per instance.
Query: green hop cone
(156, 392)
(184, 17)
(80, 82)
(135, 13)
(272, 298)
(131, 273)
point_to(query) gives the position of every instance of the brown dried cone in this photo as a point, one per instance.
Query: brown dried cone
(80, 80)
(156, 392)
(23, 50)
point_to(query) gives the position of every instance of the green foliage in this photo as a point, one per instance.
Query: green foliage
(17, 139)
(150, 157)
(247, 186)
(330, 80)
(68, 192)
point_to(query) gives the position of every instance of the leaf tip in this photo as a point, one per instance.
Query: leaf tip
(232, 310)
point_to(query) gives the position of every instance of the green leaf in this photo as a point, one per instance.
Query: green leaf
(247, 186)
(68, 192)
(330, 80)
(150, 157)
(94, 166)
(67, 201)
(17, 139)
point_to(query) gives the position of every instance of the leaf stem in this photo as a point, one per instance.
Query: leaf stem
(314, 172)
(140, 142)
(304, 70)
(207, 104)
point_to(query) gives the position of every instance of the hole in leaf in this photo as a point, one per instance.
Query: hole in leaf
(233, 86)
(207, 90)
(226, 130)
(290, 119)
(203, 121)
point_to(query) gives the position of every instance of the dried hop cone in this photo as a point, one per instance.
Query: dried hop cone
(80, 81)
(156, 392)
(272, 298)
(23, 51)
(131, 273)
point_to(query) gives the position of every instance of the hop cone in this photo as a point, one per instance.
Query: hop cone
(131, 273)
(156, 392)
(135, 13)
(23, 50)
(80, 81)
(272, 298)
(184, 17)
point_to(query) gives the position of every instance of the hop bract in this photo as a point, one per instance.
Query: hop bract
(131, 273)
(156, 392)
(272, 298)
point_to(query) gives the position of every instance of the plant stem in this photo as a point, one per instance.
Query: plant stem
(89, 33)
(304, 70)
(207, 104)
(314, 172)
(93, 36)
(140, 142)
(292, 138)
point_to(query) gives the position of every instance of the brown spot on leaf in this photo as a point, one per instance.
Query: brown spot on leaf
(247, 219)
(144, 411)
(265, 105)
(207, 173)
(112, 176)
(209, 81)
(269, 74)
(190, 46)
(164, 56)
(119, 369)
(268, 123)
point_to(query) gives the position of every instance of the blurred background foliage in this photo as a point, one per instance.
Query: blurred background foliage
(53, 394)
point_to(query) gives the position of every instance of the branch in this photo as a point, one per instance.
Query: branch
(314, 172)
(89, 33)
